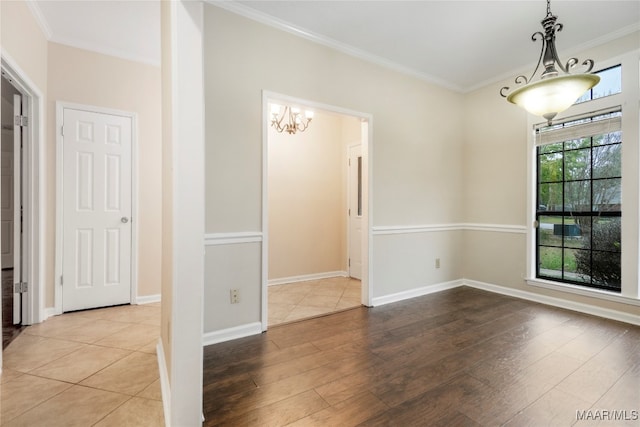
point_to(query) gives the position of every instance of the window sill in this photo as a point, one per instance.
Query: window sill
(578, 290)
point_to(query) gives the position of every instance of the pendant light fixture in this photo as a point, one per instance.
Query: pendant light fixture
(294, 121)
(554, 92)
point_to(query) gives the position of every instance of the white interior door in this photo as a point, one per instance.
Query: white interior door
(355, 211)
(96, 265)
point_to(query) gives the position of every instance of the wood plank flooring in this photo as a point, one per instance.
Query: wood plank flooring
(459, 357)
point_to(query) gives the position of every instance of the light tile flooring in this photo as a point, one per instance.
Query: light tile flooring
(88, 368)
(294, 301)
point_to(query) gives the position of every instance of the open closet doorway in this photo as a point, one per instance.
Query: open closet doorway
(14, 122)
(315, 210)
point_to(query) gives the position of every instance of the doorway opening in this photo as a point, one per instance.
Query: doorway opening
(315, 213)
(11, 210)
(22, 230)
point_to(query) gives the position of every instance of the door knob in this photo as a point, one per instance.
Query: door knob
(124, 220)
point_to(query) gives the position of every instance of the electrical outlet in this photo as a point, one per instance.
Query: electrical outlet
(235, 296)
(437, 262)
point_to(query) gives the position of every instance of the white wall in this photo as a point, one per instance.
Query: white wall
(416, 156)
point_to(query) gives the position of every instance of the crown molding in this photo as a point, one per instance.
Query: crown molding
(263, 18)
(40, 19)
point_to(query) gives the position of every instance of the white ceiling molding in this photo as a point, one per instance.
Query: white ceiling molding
(271, 21)
(55, 29)
(40, 19)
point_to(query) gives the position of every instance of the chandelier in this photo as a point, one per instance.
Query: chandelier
(291, 120)
(554, 92)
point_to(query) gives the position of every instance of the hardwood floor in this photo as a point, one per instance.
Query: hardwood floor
(459, 357)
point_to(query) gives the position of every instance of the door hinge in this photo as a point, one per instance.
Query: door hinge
(21, 121)
(349, 162)
(61, 281)
(349, 262)
(62, 130)
(20, 288)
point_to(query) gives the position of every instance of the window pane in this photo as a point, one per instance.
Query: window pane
(605, 269)
(576, 232)
(606, 161)
(607, 195)
(607, 234)
(577, 196)
(577, 265)
(550, 197)
(577, 164)
(610, 82)
(550, 148)
(608, 138)
(550, 230)
(577, 143)
(550, 262)
(550, 167)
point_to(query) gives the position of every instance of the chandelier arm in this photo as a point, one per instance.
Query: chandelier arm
(589, 64)
(534, 38)
(554, 53)
(277, 121)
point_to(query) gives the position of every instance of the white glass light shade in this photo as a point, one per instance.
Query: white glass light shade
(551, 96)
(308, 114)
(275, 110)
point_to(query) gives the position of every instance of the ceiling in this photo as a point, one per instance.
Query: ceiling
(461, 45)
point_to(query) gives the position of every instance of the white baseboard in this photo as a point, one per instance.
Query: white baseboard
(556, 302)
(165, 385)
(307, 277)
(232, 333)
(147, 299)
(416, 292)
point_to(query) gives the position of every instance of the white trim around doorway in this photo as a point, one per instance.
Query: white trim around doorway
(367, 235)
(35, 235)
(60, 106)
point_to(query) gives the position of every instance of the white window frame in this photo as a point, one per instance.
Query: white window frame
(628, 100)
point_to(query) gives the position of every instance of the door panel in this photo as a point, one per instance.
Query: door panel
(97, 210)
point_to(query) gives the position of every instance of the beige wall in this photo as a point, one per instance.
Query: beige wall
(307, 197)
(416, 154)
(495, 183)
(84, 77)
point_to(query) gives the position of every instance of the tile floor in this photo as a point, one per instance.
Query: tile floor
(294, 301)
(89, 368)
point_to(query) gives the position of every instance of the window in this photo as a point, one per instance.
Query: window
(579, 206)
(610, 84)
